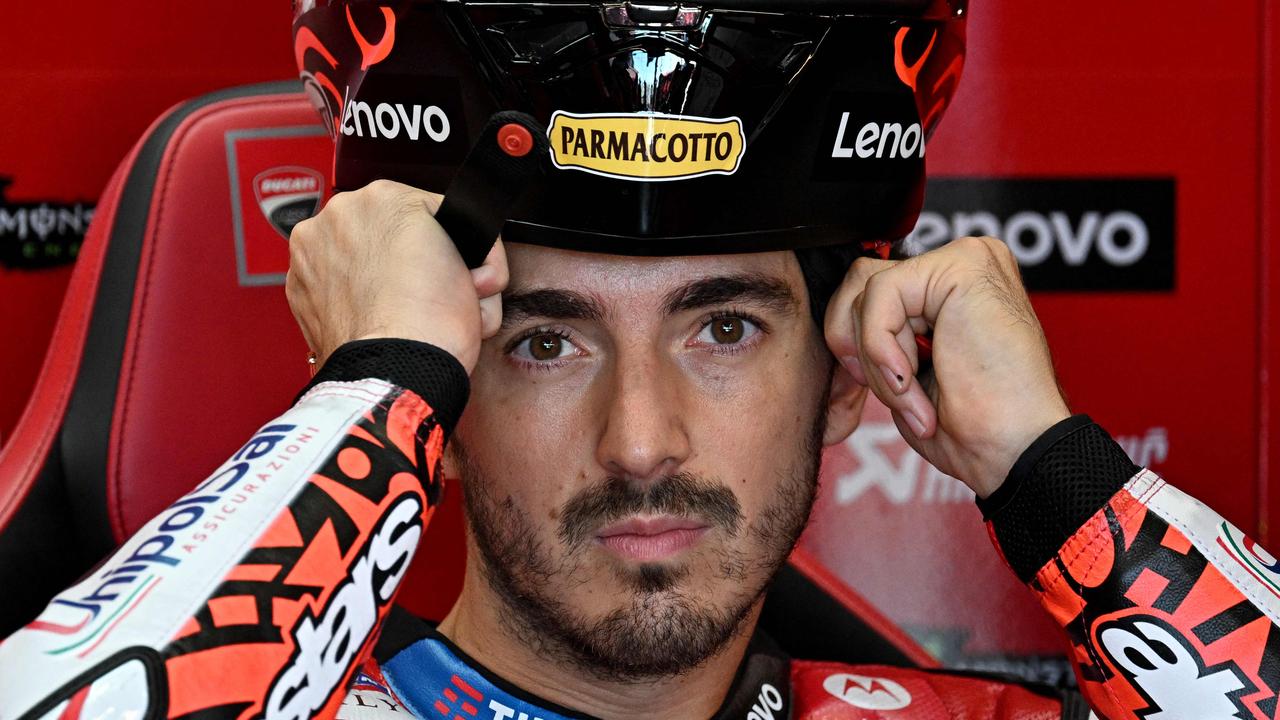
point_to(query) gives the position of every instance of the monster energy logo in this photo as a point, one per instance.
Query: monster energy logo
(41, 233)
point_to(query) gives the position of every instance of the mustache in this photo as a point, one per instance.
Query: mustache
(681, 494)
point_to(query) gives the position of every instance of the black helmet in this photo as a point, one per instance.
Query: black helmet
(674, 128)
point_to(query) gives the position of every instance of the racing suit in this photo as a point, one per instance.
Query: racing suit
(267, 590)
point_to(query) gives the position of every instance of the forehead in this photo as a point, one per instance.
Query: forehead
(626, 278)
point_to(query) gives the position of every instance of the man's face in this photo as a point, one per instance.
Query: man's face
(640, 450)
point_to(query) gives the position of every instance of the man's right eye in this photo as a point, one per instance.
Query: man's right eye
(544, 347)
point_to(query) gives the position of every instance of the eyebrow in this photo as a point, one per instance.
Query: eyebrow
(551, 303)
(564, 304)
(770, 292)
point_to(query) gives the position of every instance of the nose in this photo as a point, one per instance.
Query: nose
(644, 436)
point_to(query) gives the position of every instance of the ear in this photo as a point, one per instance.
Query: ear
(844, 406)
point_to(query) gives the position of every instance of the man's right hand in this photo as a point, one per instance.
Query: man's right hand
(374, 263)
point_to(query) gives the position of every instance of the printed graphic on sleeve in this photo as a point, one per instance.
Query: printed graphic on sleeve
(1169, 671)
(271, 627)
(1158, 631)
(123, 685)
(1262, 565)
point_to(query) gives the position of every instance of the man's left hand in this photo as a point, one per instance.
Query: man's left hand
(991, 391)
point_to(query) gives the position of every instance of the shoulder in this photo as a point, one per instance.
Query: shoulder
(833, 690)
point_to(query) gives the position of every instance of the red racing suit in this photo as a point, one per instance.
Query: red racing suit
(267, 590)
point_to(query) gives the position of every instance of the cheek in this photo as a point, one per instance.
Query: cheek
(525, 410)
(521, 445)
(758, 408)
(754, 425)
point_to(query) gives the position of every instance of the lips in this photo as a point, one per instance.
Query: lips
(651, 539)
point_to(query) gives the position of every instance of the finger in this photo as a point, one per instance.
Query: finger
(490, 316)
(889, 354)
(893, 297)
(918, 410)
(853, 361)
(874, 379)
(839, 323)
(491, 277)
(912, 405)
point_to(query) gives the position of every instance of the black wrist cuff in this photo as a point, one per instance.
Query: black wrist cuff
(1067, 475)
(433, 374)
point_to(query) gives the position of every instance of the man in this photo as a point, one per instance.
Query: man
(640, 444)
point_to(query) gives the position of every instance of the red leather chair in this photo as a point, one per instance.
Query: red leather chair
(175, 343)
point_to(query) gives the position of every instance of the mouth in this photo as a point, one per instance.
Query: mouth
(651, 539)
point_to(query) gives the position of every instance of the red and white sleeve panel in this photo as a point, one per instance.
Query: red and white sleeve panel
(1171, 611)
(259, 592)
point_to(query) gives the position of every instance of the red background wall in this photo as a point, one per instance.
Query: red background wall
(82, 81)
(1184, 89)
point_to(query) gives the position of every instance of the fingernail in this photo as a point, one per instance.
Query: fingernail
(913, 422)
(896, 381)
(854, 366)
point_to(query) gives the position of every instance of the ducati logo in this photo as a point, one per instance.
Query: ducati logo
(868, 693)
(288, 195)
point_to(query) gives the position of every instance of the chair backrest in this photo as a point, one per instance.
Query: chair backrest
(175, 342)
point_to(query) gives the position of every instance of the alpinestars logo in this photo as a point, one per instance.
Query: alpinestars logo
(288, 195)
(1170, 674)
(327, 646)
(868, 693)
(897, 472)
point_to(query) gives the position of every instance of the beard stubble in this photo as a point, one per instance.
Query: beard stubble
(663, 629)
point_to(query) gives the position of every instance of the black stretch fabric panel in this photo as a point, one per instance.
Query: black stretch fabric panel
(431, 372)
(1067, 475)
(86, 431)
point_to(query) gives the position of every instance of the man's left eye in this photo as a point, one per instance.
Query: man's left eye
(728, 330)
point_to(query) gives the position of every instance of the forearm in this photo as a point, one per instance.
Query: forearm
(1166, 605)
(264, 585)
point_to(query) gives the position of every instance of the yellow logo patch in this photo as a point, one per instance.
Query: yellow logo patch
(646, 147)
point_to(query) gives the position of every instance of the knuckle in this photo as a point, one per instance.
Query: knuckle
(297, 236)
(338, 201)
(379, 188)
(971, 245)
(430, 201)
(875, 284)
(998, 248)
(861, 267)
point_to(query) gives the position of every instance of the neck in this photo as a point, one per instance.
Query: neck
(477, 625)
